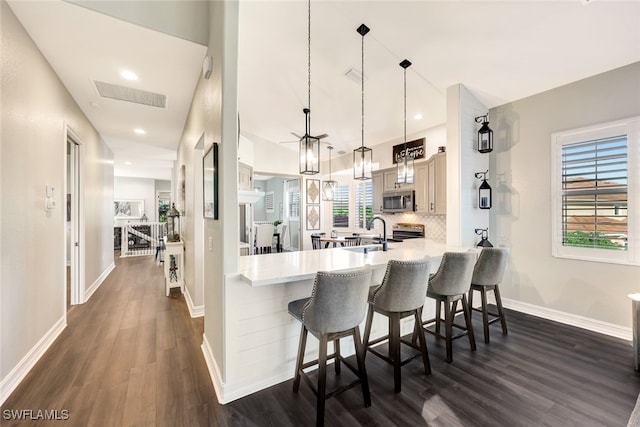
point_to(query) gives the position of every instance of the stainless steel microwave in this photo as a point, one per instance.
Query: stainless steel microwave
(398, 201)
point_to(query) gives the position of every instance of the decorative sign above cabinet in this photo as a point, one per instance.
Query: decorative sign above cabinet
(415, 147)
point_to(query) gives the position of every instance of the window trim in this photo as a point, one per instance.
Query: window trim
(631, 128)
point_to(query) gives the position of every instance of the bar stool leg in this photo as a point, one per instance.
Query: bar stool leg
(361, 350)
(422, 340)
(448, 325)
(367, 331)
(485, 314)
(300, 359)
(336, 348)
(503, 321)
(322, 380)
(394, 350)
(438, 317)
(467, 318)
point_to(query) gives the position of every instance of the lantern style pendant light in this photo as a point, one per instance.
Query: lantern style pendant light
(405, 165)
(485, 135)
(484, 191)
(309, 145)
(362, 156)
(329, 187)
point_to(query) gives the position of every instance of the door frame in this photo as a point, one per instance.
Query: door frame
(76, 183)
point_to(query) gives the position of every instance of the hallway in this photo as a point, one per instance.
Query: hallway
(129, 356)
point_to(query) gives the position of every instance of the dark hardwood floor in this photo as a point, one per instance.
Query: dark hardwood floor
(131, 357)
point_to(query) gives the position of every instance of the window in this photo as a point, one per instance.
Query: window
(595, 189)
(341, 206)
(364, 203)
(293, 204)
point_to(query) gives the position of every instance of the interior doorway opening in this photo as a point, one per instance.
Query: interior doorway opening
(72, 224)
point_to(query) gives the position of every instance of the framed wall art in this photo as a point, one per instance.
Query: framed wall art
(313, 217)
(313, 191)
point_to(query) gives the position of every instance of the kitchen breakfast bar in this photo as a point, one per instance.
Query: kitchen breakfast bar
(261, 338)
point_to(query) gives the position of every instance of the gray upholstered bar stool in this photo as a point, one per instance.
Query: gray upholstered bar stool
(487, 275)
(335, 309)
(449, 285)
(400, 295)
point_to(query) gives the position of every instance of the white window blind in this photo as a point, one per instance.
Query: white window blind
(293, 204)
(341, 206)
(594, 194)
(364, 204)
(595, 186)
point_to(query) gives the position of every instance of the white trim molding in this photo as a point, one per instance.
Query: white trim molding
(194, 310)
(214, 370)
(570, 319)
(17, 374)
(96, 284)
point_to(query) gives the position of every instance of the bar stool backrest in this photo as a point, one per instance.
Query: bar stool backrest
(338, 301)
(454, 273)
(489, 269)
(404, 285)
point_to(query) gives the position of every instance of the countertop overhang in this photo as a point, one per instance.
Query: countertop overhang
(284, 267)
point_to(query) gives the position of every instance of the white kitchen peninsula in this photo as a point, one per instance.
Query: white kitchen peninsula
(261, 338)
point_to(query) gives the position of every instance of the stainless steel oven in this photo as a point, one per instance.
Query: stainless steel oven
(398, 201)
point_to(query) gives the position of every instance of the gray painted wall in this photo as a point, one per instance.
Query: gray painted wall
(35, 108)
(521, 218)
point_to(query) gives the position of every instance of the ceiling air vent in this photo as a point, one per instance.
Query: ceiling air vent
(108, 90)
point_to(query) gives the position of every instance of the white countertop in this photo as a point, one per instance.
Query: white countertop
(268, 269)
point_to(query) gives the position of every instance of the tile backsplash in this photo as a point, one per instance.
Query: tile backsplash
(435, 225)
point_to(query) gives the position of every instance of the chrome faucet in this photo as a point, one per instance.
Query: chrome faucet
(384, 230)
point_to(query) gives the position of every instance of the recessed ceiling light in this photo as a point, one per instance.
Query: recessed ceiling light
(139, 131)
(418, 116)
(129, 75)
(128, 163)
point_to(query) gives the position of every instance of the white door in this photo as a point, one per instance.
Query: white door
(292, 212)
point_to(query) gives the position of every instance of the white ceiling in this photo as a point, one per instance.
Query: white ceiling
(501, 51)
(83, 46)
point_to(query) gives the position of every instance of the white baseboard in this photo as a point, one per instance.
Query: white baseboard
(17, 374)
(570, 319)
(214, 371)
(194, 310)
(96, 284)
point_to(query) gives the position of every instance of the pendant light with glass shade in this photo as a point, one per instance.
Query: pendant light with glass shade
(329, 187)
(405, 164)
(309, 145)
(362, 156)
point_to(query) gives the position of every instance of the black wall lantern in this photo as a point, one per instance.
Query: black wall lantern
(484, 191)
(484, 238)
(485, 135)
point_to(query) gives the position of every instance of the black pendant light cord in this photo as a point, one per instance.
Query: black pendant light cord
(309, 65)
(362, 90)
(405, 112)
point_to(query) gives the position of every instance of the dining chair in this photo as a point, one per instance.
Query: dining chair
(401, 294)
(447, 286)
(264, 238)
(487, 275)
(315, 240)
(335, 310)
(350, 241)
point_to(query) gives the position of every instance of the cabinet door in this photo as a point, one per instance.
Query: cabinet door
(421, 185)
(390, 179)
(377, 182)
(437, 184)
(245, 177)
